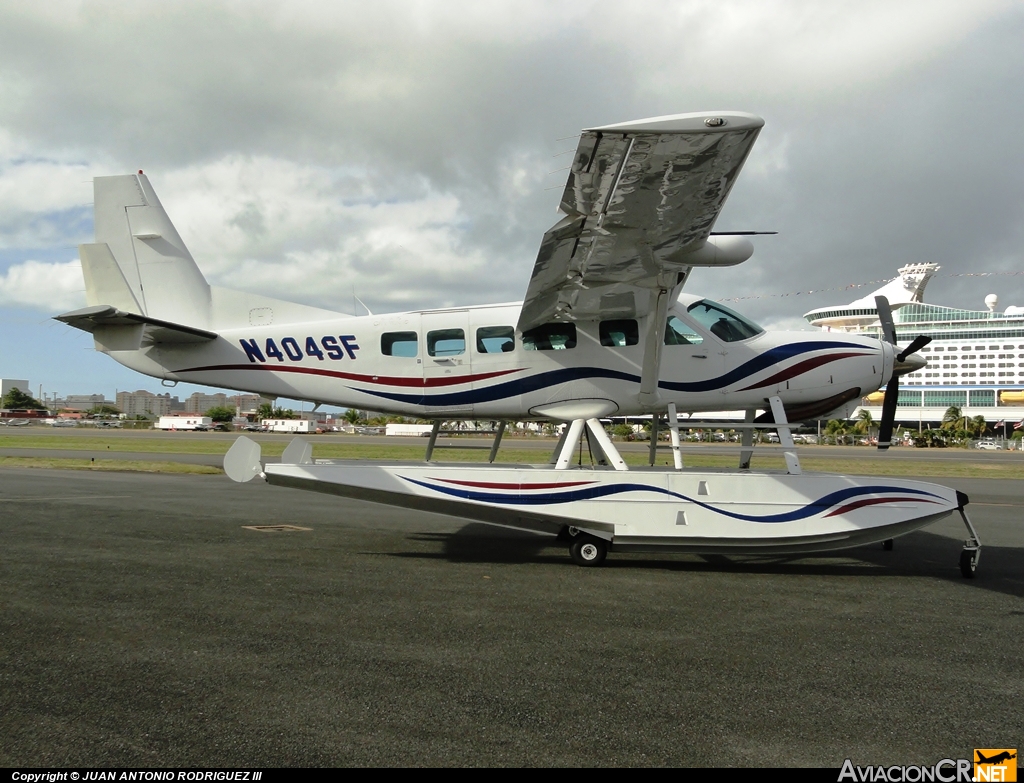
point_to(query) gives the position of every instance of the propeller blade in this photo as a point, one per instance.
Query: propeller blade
(919, 342)
(892, 394)
(885, 318)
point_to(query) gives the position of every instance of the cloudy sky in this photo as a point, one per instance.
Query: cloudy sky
(410, 153)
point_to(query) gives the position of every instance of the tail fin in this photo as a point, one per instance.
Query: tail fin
(139, 263)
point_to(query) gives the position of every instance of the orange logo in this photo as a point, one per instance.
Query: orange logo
(995, 764)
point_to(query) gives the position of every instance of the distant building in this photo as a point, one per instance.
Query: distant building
(184, 422)
(141, 402)
(288, 425)
(86, 402)
(201, 403)
(246, 403)
(7, 384)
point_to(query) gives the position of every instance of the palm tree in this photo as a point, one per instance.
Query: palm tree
(977, 426)
(953, 418)
(835, 430)
(865, 422)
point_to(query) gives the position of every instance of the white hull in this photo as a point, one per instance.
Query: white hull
(647, 509)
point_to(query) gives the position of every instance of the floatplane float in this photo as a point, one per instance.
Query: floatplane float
(604, 330)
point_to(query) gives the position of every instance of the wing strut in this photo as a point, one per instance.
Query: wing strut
(651, 369)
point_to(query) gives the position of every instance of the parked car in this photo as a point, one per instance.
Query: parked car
(989, 445)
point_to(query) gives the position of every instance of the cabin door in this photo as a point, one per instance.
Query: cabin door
(447, 366)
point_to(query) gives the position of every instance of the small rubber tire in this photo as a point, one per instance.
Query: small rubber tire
(887, 545)
(588, 551)
(968, 564)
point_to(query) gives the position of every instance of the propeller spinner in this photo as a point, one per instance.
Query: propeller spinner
(904, 362)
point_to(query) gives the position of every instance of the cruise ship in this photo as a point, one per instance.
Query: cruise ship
(975, 359)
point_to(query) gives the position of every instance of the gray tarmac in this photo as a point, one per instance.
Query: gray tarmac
(142, 624)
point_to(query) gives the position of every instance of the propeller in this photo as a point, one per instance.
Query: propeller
(903, 363)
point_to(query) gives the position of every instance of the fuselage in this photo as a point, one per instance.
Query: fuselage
(471, 362)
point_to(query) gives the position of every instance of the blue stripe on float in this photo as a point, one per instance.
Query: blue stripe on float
(590, 493)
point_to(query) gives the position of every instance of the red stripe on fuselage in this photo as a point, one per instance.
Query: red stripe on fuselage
(384, 380)
(801, 367)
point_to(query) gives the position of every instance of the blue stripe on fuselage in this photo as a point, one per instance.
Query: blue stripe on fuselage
(758, 363)
(543, 380)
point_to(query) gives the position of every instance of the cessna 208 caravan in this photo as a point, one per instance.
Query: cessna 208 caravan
(604, 330)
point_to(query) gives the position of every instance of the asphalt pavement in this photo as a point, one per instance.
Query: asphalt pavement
(144, 623)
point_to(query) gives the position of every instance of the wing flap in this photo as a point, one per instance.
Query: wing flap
(640, 202)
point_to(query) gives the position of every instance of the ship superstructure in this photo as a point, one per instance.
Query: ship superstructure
(975, 359)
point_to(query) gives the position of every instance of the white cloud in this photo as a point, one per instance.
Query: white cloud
(52, 287)
(403, 149)
(313, 234)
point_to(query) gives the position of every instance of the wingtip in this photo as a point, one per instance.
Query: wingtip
(691, 122)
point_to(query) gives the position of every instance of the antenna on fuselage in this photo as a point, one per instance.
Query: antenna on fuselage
(368, 311)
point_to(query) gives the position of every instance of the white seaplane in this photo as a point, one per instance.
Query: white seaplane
(604, 330)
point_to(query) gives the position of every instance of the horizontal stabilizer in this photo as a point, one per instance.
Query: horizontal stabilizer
(107, 319)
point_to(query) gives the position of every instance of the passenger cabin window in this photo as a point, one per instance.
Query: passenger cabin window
(722, 322)
(678, 333)
(446, 342)
(550, 337)
(495, 339)
(399, 344)
(623, 331)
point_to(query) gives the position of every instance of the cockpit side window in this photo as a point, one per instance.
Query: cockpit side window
(446, 342)
(399, 344)
(550, 337)
(495, 339)
(620, 332)
(722, 322)
(678, 333)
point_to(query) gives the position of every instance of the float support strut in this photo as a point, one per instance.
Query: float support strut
(610, 452)
(655, 426)
(673, 426)
(748, 441)
(433, 440)
(574, 431)
(785, 436)
(497, 441)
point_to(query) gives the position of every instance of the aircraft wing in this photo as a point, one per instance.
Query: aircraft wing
(640, 203)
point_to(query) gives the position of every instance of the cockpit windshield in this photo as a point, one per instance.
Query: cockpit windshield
(722, 322)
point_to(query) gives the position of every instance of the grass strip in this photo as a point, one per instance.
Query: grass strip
(121, 465)
(858, 463)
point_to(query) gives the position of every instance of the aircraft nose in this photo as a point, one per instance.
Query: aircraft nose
(909, 364)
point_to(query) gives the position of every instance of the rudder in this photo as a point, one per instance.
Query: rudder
(157, 273)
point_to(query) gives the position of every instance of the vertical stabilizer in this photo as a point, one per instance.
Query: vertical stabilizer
(162, 279)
